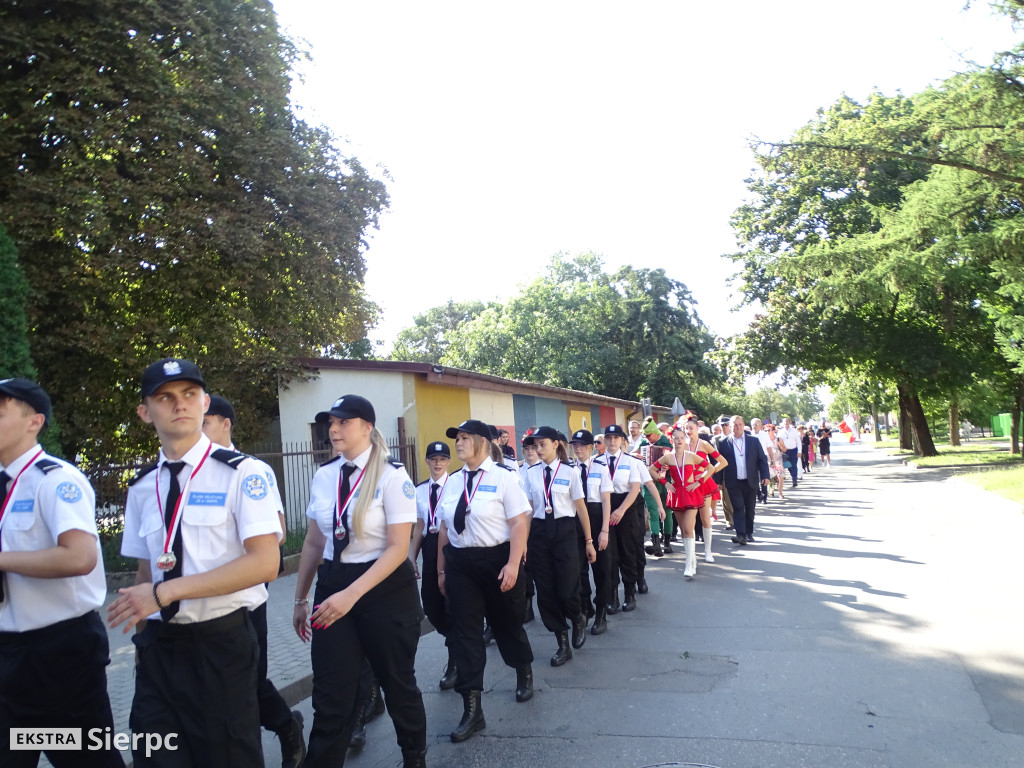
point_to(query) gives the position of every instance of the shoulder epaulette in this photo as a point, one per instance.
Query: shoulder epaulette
(423, 483)
(395, 464)
(142, 473)
(231, 458)
(330, 461)
(505, 467)
(47, 465)
(601, 462)
(538, 464)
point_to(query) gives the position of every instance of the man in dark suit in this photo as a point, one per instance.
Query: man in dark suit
(747, 463)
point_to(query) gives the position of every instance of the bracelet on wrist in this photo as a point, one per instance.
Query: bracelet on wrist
(590, 541)
(440, 573)
(301, 601)
(156, 597)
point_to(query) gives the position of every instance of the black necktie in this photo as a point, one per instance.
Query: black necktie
(434, 488)
(461, 508)
(346, 489)
(548, 496)
(5, 479)
(173, 494)
(611, 466)
(583, 478)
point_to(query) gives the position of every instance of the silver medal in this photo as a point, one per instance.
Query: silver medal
(547, 510)
(339, 532)
(433, 529)
(166, 561)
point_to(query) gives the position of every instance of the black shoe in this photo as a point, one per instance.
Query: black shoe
(451, 673)
(529, 615)
(524, 683)
(472, 717)
(741, 540)
(641, 586)
(564, 652)
(589, 609)
(579, 632)
(414, 758)
(488, 635)
(293, 745)
(613, 606)
(667, 542)
(629, 604)
(600, 623)
(750, 537)
(358, 738)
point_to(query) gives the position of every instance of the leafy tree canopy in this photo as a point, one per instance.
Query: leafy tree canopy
(167, 201)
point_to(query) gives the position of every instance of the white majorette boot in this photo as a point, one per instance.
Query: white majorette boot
(689, 545)
(708, 557)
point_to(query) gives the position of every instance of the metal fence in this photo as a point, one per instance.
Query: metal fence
(294, 464)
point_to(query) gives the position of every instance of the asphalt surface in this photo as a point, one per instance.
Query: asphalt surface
(876, 623)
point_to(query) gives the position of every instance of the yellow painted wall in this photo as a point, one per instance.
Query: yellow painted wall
(437, 408)
(491, 407)
(576, 420)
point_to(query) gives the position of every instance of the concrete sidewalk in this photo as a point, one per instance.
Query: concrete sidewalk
(873, 623)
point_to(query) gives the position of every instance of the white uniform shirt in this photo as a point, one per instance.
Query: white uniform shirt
(523, 470)
(423, 503)
(566, 488)
(766, 441)
(394, 502)
(627, 471)
(791, 437)
(221, 507)
(598, 479)
(42, 506)
(497, 496)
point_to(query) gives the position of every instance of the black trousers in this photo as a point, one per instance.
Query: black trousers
(198, 681)
(474, 593)
(744, 501)
(55, 677)
(434, 603)
(581, 550)
(384, 627)
(274, 712)
(622, 544)
(638, 536)
(602, 566)
(554, 558)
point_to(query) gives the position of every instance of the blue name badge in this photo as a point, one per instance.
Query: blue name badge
(376, 494)
(594, 476)
(561, 481)
(488, 488)
(24, 505)
(207, 499)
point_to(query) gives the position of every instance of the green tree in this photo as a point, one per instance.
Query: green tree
(426, 341)
(634, 333)
(172, 203)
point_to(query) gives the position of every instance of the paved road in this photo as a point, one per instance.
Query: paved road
(876, 624)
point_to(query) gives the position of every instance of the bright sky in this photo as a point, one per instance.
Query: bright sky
(513, 131)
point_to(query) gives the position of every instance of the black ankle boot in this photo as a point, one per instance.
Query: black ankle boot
(579, 631)
(358, 738)
(451, 672)
(600, 622)
(293, 745)
(374, 704)
(414, 758)
(667, 541)
(641, 584)
(564, 652)
(655, 548)
(613, 606)
(524, 683)
(629, 604)
(472, 717)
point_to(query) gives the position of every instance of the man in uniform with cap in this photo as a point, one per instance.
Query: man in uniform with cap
(424, 538)
(218, 424)
(53, 645)
(204, 526)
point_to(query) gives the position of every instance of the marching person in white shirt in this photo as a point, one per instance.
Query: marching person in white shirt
(556, 493)
(53, 645)
(626, 478)
(204, 520)
(484, 530)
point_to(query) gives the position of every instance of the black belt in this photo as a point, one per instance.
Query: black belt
(202, 628)
(30, 635)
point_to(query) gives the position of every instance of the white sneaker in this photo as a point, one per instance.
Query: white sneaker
(708, 557)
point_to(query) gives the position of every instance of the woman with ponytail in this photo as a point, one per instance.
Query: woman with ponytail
(361, 508)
